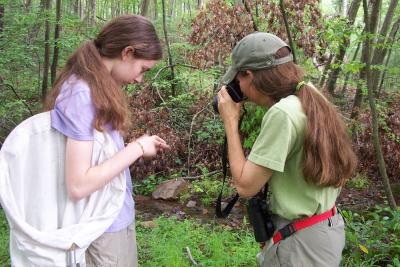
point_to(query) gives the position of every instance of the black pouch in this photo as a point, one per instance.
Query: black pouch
(260, 216)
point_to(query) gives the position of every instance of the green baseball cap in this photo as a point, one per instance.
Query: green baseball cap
(255, 51)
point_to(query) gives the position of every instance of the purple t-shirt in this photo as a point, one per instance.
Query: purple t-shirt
(73, 116)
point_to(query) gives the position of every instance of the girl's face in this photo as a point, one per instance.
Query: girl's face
(128, 69)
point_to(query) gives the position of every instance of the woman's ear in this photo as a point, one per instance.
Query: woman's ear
(250, 74)
(127, 52)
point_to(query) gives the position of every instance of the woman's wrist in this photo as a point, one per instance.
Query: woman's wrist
(231, 125)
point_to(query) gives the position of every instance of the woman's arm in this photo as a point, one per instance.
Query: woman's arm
(82, 179)
(248, 178)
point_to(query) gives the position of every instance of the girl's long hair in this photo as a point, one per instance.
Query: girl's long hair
(329, 159)
(86, 63)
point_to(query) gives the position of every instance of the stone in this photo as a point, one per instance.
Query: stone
(171, 189)
(149, 224)
(191, 204)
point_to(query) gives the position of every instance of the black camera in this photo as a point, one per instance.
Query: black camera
(233, 89)
(260, 218)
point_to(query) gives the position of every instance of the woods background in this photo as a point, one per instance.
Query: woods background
(349, 49)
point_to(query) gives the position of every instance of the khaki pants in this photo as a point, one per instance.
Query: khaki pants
(319, 245)
(114, 249)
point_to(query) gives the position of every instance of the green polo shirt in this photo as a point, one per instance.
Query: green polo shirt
(279, 147)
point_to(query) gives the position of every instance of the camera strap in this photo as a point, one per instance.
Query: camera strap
(218, 207)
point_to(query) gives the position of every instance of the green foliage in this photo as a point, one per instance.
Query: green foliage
(335, 30)
(165, 245)
(209, 189)
(383, 111)
(4, 241)
(212, 131)
(372, 238)
(251, 124)
(360, 181)
(148, 185)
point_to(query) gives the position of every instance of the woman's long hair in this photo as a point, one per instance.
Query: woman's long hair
(86, 63)
(329, 157)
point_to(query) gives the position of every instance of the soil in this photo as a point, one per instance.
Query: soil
(350, 198)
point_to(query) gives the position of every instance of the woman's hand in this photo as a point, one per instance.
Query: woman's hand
(228, 109)
(151, 145)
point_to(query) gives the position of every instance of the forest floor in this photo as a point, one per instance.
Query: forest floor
(350, 198)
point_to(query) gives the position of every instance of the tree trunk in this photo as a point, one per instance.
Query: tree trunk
(345, 4)
(1, 17)
(75, 6)
(248, 9)
(382, 79)
(291, 43)
(171, 8)
(380, 51)
(28, 4)
(32, 34)
(155, 9)
(144, 7)
(80, 11)
(373, 22)
(375, 130)
(334, 74)
(170, 61)
(326, 71)
(91, 12)
(257, 8)
(348, 74)
(46, 52)
(199, 4)
(56, 50)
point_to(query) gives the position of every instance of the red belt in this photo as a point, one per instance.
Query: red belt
(297, 225)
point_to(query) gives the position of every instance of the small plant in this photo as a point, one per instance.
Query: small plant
(372, 238)
(209, 188)
(359, 182)
(165, 245)
(4, 241)
(147, 186)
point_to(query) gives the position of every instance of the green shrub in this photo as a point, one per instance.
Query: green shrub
(372, 238)
(360, 181)
(165, 245)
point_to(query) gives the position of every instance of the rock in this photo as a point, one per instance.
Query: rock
(171, 189)
(191, 204)
(149, 224)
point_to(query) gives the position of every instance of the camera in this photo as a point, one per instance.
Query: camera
(260, 218)
(233, 89)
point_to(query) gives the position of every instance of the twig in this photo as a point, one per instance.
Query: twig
(190, 134)
(200, 176)
(164, 68)
(18, 97)
(190, 256)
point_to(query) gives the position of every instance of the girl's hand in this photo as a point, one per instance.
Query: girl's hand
(227, 108)
(151, 145)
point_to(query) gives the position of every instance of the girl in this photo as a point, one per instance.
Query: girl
(88, 95)
(302, 151)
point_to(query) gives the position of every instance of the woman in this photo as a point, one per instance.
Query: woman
(88, 95)
(302, 151)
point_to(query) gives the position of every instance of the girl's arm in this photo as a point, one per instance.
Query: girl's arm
(82, 179)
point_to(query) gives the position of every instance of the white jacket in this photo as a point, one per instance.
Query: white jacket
(44, 222)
